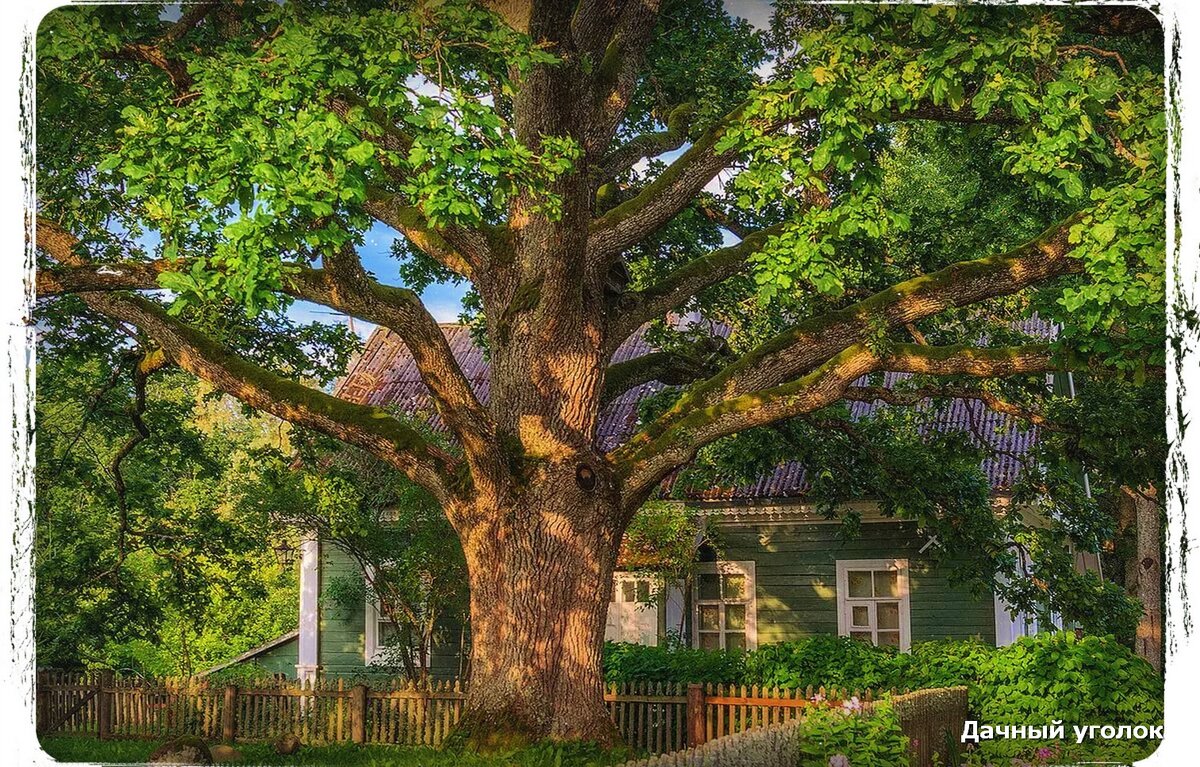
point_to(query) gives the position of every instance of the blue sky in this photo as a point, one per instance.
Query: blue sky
(445, 301)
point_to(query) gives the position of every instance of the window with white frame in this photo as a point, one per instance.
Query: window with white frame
(723, 612)
(381, 633)
(630, 588)
(872, 599)
(632, 610)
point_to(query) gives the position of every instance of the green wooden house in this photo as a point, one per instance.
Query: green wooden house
(785, 572)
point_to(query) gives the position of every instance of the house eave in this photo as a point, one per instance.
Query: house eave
(253, 652)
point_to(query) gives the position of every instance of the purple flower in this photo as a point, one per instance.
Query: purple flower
(839, 760)
(852, 705)
(817, 698)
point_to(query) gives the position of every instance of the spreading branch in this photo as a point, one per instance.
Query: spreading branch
(437, 244)
(666, 445)
(663, 198)
(648, 145)
(155, 53)
(367, 427)
(675, 188)
(619, 68)
(675, 289)
(461, 249)
(370, 428)
(676, 367)
(342, 286)
(922, 394)
(811, 342)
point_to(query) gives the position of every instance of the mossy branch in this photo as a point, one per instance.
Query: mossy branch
(667, 444)
(371, 428)
(813, 341)
(652, 144)
(343, 286)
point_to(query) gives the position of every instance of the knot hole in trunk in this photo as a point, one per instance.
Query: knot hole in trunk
(585, 477)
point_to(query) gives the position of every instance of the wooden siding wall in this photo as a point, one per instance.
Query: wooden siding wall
(796, 584)
(343, 629)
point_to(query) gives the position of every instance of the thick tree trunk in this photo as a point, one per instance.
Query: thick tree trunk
(540, 579)
(1143, 570)
(1150, 578)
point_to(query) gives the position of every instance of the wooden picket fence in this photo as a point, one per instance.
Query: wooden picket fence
(661, 718)
(652, 717)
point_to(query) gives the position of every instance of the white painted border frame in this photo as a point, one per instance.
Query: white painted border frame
(844, 566)
(737, 567)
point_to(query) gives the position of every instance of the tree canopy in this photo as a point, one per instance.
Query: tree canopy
(854, 190)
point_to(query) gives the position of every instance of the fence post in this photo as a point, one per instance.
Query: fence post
(104, 705)
(358, 713)
(228, 733)
(695, 714)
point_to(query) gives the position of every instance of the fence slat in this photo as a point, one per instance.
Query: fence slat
(650, 716)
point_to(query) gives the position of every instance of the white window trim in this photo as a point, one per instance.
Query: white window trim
(844, 566)
(372, 650)
(621, 576)
(1012, 624)
(648, 610)
(742, 567)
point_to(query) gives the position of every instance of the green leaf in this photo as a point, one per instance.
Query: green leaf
(361, 153)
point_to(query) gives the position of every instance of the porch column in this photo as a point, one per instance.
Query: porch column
(310, 617)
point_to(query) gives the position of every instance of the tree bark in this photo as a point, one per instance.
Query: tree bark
(540, 576)
(1149, 576)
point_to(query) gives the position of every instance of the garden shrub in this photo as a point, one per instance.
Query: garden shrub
(823, 660)
(1093, 680)
(1034, 681)
(672, 662)
(874, 739)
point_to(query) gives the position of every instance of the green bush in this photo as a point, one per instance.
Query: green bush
(824, 660)
(1093, 680)
(671, 662)
(1034, 681)
(874, 739)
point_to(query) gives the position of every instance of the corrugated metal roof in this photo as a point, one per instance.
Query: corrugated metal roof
(385, 375)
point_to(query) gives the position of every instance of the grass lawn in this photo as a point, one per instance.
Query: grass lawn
(82, 749)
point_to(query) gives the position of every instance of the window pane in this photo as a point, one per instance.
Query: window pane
(734, 587)
(627, 591)
(887, 615)
(887, 583)
(710, 641)
(863, 635)
(710, 617)
(889, 638)
(860, 583)
(735, 641)
(860, 615)
(388, 632)
(643, 591)
(735, 617)
(710, 586)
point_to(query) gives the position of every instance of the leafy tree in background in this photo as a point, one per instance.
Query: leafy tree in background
(588, 168)
(148, 556)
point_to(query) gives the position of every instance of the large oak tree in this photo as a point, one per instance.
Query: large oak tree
(589, 168)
